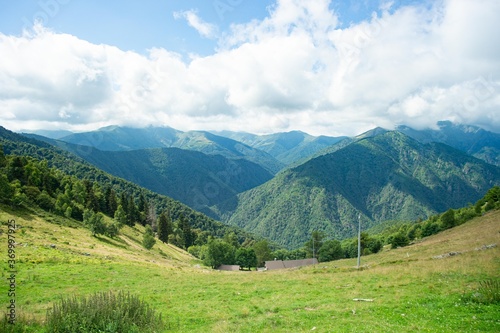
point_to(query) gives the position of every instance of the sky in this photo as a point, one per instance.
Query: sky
(259, 66)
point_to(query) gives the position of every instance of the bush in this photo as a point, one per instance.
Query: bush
(103, 312)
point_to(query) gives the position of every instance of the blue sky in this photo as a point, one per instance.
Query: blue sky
(141, 25)
(324, 67)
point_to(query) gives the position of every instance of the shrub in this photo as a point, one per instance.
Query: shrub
(103, 312)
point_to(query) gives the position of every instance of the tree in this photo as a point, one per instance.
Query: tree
(94, 221)
(231, 238)
(15, 169)
(3, 160)
(186, 231)
(148, 240)
(151, 215)
(164, 227)
(132, 213)
(399, 239)
(111, 201)
(6, 190)
(245, 257)
(112, 229)
(330, 250)
(218, 253)
(430, 228)
(120, 216)
(262, 251)
(448, 219)
(314, 244)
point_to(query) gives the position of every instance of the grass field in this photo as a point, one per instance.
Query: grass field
(410, 290)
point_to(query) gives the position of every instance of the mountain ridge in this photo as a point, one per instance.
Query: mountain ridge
(383, 177)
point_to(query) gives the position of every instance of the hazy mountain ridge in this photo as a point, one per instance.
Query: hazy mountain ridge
(473, 140)
(287, 147)
(275, 151)
(116, 138)
(383, 177)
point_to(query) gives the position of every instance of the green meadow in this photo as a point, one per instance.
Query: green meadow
(401, 290)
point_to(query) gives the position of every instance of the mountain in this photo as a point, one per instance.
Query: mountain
(69, 164)
(288, 147)
(195, 179)
(56, 134)
(116, 138)
(382, 177)
(473, 140)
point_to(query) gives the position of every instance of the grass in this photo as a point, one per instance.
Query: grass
(410, 289)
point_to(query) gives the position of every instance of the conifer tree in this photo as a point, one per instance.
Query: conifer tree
(188, 235)
(164, 227)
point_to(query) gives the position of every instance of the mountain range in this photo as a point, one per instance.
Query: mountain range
(284, 186)
(385, 177)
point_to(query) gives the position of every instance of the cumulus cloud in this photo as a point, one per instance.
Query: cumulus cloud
(295, 69)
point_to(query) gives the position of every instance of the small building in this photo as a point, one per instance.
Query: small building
(229, 268)
(282, 264)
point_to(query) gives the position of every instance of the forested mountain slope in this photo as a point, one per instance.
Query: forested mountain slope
(71, 165)
(383, 177)
(196, 179)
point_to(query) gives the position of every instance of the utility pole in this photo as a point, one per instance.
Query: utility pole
(359, 240)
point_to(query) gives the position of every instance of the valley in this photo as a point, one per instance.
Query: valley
(66, 198)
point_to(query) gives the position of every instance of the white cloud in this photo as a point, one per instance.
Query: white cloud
(296, 69)
(205, 29)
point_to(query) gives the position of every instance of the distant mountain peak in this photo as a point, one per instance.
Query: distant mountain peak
(371, 133)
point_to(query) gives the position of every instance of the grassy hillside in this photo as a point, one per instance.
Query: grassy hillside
(410, 289)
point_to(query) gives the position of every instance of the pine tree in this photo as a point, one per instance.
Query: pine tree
(133, 213)
(111, 202)
(164, 227)
(186, 231)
